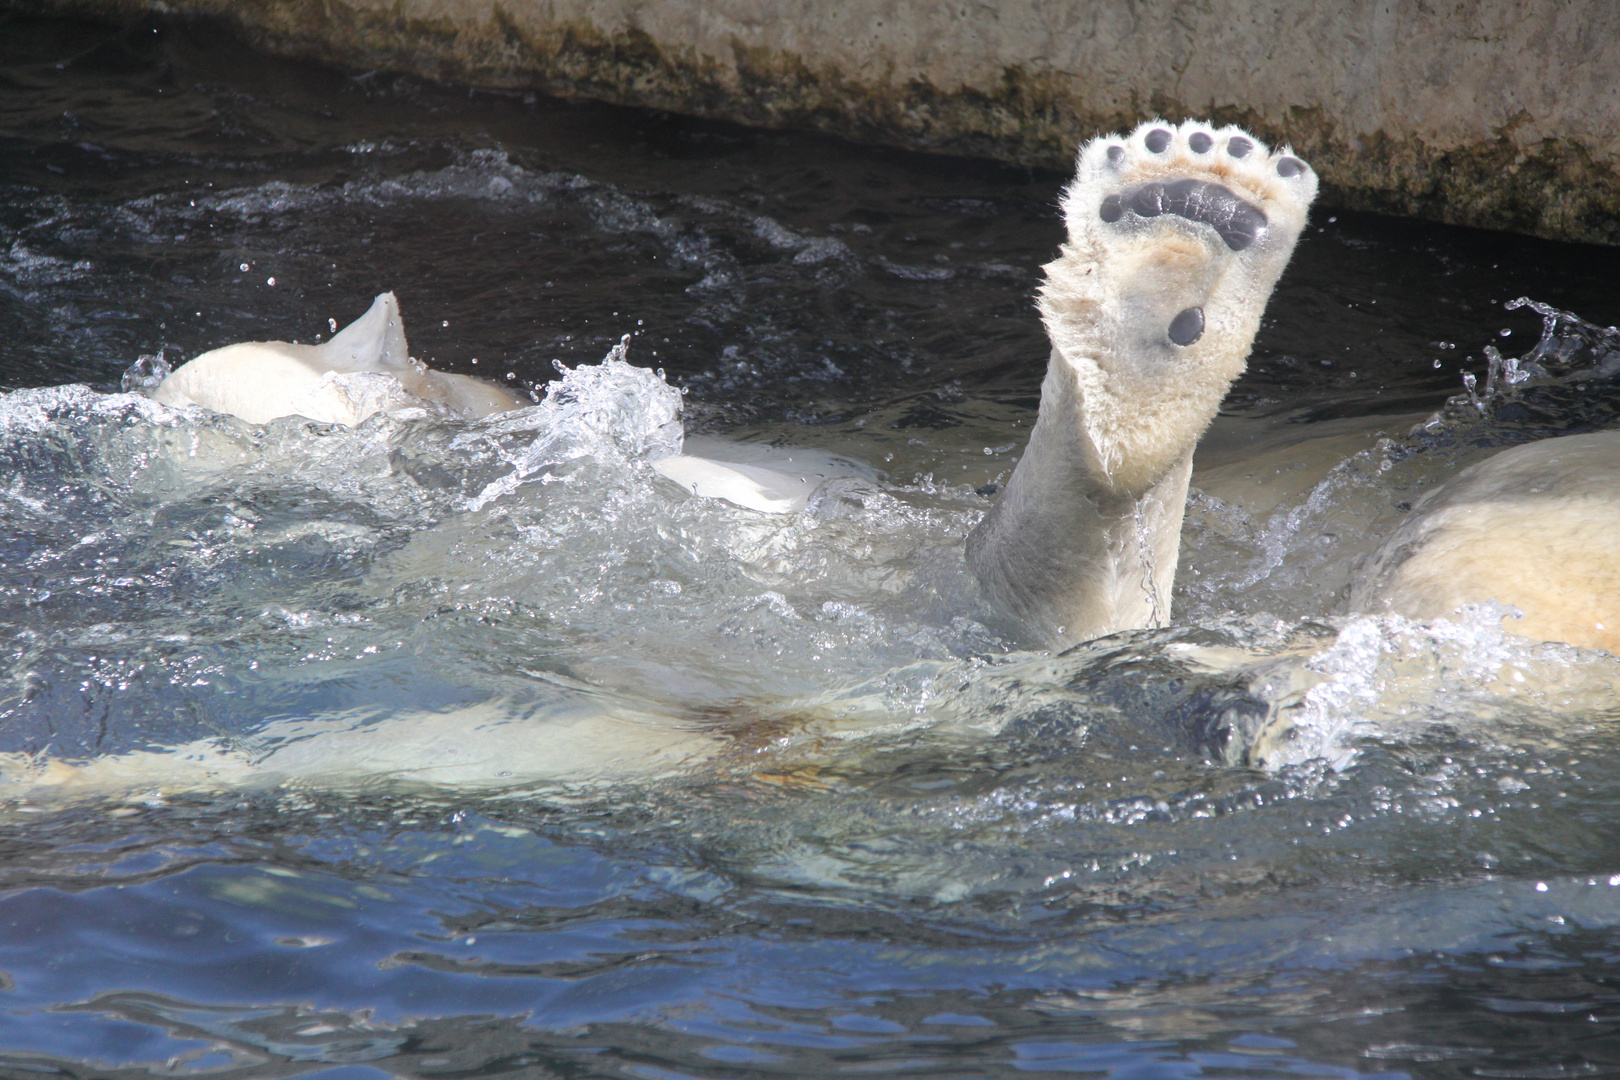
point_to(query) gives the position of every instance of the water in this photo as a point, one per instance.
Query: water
(1277, 840)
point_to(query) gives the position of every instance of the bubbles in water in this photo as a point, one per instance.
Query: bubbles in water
(145, 374)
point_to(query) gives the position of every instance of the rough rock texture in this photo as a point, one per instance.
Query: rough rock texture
(1498, 113)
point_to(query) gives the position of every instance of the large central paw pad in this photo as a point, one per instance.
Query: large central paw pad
(1239, 223)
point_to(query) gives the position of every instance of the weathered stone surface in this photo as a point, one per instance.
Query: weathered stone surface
(1499, 113)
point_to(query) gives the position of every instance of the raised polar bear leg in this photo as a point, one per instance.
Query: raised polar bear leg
(1537, 527)
(1177, 235)
(364, 369)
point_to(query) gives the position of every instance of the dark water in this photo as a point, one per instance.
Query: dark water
(1014, 863)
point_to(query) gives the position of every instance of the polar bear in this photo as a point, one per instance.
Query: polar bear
(1177, 235)
(366, 368)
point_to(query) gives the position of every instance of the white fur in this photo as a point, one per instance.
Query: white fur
(768, 479)
(364, 369)
(583, 739)
(748, 486)
(1083, 542)
(1536, 527)
(1085, 539)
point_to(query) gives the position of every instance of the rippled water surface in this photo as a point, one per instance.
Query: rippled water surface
(500, 755)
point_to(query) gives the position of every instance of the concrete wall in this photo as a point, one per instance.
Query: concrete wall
(1499, 113)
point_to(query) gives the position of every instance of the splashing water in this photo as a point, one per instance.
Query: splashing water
(823, 818)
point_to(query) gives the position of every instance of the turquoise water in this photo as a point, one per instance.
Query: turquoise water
(899, 845)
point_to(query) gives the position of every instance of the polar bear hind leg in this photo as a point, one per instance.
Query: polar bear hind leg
(1177, 235)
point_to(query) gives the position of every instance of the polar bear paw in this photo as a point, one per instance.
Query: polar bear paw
(1193, 223)
(1177, 235)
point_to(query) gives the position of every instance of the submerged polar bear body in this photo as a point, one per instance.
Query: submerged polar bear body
(1536, 527)
(366, 368)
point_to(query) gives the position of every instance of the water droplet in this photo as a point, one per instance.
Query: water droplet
(270, 281)
(1504, 332)
(333, 324)
(244, 268)
(1541, 886)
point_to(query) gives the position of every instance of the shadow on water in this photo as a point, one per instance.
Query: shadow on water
(1066, 875)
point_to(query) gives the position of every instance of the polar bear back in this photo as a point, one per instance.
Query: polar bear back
(1537, 527)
